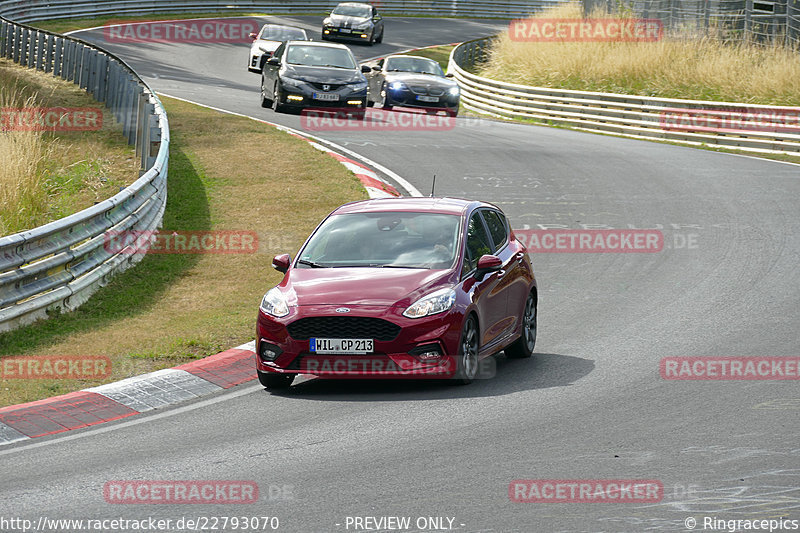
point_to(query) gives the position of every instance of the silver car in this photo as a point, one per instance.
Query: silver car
(266, 41)
(353, 21)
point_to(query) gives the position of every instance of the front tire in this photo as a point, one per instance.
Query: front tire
(275, 382)
(523, 347)
(265, 102)
(382, 103)
(380, 37)
(277, 106)
(467, 359)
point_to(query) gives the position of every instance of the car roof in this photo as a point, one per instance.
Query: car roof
(410, 55)
(354, 4)
(452, 206)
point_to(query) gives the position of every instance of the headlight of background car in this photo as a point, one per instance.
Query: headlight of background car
(358, 86)
(435, 302)
(397, 86)
(274, 303)
(454, 91)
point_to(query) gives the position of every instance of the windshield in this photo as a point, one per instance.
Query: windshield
(320, 56)
(353, 11)
(270, 32)
(414, 64)
(408, 240)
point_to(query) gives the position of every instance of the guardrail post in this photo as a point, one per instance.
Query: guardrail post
(18, 32)
(155, 138)
(33, 38)
(40, 51)
(68, 70)
(102, 78)
(48, 52)
(141, 124)
(3, 38)
(85, 67)
(748, 19)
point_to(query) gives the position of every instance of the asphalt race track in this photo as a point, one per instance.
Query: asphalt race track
(590, 404)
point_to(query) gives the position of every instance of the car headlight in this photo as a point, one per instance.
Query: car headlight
(274, 303)
(454, 91)
(326, 22)
(358, 86)
(397, 86)
(292, 82)
(433, 303)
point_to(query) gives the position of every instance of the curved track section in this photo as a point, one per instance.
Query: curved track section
(589, 405)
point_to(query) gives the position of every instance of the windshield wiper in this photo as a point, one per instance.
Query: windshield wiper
(312, 264)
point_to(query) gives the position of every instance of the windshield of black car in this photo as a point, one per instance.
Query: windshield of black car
(353, 11)
(282, 33)
(385, 239)
(320, 56)
(414, 64)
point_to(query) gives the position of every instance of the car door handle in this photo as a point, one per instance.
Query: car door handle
(519, 256)
(501, 273)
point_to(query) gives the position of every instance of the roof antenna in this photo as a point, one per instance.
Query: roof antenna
(433, 186)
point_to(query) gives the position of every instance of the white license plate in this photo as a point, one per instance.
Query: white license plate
(427, 98)
(326, 96)
(341, 346)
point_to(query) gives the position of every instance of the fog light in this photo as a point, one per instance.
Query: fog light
(363, 35)
(294, 98)
(327, 32)
(427, 352)
(269, 352)
(354, 102)
(427, 356)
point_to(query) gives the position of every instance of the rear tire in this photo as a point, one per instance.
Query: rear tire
(275, 382)
(523, 347)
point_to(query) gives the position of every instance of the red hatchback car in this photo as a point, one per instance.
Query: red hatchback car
(401, 287)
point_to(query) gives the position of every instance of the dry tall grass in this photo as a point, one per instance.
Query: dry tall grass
(701, 69)
(23, 156)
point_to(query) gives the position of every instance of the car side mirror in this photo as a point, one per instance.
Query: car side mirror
(274, 61)
(486, 264)
(365, 69)
(281, 262)
(376, 68)
(448, 75)
(252, 36)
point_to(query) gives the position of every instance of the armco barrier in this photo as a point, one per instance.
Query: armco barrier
(29, 10)
(692, 122)
(59, 265)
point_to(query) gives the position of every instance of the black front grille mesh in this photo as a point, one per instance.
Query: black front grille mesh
(343, 327)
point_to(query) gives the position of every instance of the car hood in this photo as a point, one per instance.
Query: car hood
(420, 79)
(385, 287)
(323, 74)
(264, 44)
(344, 21)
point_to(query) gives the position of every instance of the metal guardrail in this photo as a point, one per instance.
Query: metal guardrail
(59, 265)
(29, 10)
(663, 119)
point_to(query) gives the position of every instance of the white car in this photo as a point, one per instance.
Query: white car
(266, 41)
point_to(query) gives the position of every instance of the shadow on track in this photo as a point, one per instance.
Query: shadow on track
(542, 371)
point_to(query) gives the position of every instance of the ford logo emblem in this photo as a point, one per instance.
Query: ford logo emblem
(342, 309)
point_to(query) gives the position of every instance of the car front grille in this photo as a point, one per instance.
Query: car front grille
(432, 91)
(331, 86)
(343, 327)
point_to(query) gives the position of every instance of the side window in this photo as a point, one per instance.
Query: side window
(478, 243)
(497, 228)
